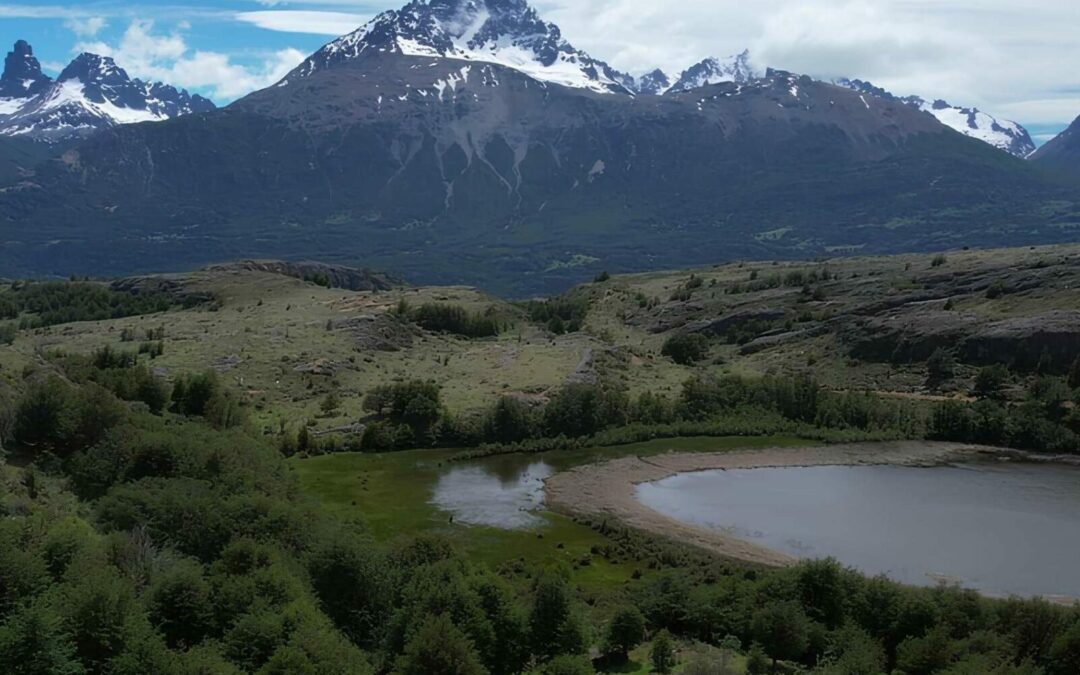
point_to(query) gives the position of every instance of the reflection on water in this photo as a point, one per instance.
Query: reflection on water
(1002, 528)
(504, 494)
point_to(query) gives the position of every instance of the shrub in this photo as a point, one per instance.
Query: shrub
(686, 348)
(457, 320)
(990, 381)
(625, 631)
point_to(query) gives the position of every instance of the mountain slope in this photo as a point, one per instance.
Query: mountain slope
(91, 93)
(1063, 152)
(456, 170)
(1002, 134)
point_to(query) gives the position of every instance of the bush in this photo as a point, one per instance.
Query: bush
(686, 348)
(457, 320)
(415, 404)
(625, 631)
(940, 367)
(583, 409)
(990, 381)
(662, 655)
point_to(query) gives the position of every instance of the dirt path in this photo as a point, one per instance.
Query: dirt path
(608, 490)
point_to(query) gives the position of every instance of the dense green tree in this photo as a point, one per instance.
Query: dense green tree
(783, 631)
(33, 641)
(1064, 655)
(254, 638)
(100, 611)
(584, 409)
(851, 651)
(457, 320)
(192, 394)
(757, 663)
(224, 410)
(417, 404)
(440, 648)
(23, 573)
(928, 654)
(181, 606)
(1032, 625)
(820, 585)
(351, 580)
(940, 367)
(1074, 374)
(990, 381)
(554, 622)
(625, 631)
(662, 654)
(665, 600)
(47, 414)
(510, 421)
(686, 348)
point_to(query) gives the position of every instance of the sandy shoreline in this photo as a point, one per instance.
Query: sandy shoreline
(608, 490)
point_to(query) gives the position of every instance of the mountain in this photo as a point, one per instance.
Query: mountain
(656, 83)
(1063, 152)
(22, 77)
(460, 170)
(504, 32)
(715, 71)
(91, 93)
(1002, 134)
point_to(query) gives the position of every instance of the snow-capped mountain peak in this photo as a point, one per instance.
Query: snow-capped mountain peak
(712, 70)
(1002, 134)
(91, 93)
(504, 32)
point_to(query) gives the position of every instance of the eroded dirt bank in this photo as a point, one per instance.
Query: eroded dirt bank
(608, 489)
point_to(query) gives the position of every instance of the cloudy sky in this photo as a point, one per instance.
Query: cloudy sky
(1019, 60)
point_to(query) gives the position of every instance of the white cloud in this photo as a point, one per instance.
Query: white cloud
(86, 27)
(297, 21)
(151, 55)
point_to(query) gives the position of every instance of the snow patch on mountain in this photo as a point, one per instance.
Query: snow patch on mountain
(1004, 135)
(503, 32)
(712, 70)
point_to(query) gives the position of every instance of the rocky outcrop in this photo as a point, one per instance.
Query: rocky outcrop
(333, 276)
(1020, 342)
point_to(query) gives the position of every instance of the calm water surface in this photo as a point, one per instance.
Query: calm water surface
(504, 494)
(1001, 528)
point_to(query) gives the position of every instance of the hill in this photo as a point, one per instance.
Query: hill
(864, 323)
(1062, 154)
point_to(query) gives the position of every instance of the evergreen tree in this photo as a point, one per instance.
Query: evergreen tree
(663, 653)
(440, 648)
(783, 631)
(553, 622)
(34, 642)
(625, 631)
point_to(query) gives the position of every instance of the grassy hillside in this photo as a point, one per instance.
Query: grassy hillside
(854, 323)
